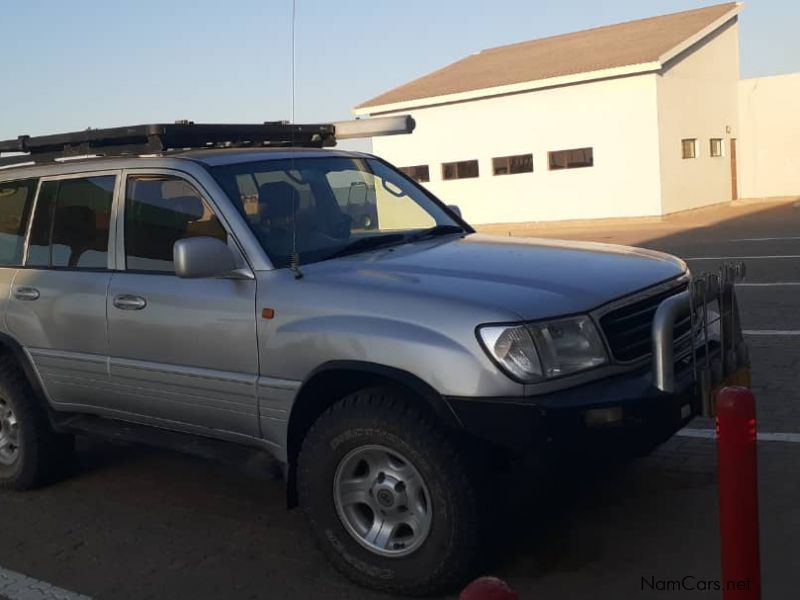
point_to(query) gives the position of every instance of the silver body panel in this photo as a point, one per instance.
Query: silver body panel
(190, 355)
(7, 275)
(64, 332)
(198, 356)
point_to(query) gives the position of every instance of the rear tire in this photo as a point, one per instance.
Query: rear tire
(31, 453)
(410, 524)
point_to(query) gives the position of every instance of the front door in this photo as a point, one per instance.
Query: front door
(57, 307)
(734, 172)
(181, 350)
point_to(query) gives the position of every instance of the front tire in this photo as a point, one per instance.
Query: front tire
(387, 496)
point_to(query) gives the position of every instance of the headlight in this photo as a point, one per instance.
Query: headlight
(568, 345)
(545, 350)
(513, 348)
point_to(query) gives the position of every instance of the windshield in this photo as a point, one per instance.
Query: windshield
(330, 206)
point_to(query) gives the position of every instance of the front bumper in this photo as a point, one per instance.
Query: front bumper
(640, 408)
(641, 415)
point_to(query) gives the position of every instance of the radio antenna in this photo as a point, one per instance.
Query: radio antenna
(294, 256)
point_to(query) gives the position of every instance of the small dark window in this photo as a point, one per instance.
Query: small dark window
(464, 169)
(508, 165)
(576, 158)
(16, 200)
(159, 211)
(716, 147)
(71, 224)
(689, 148)
(419, 173)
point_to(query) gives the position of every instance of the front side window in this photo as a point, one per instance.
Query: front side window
(159, 211)
(71, 225)
(576, 158)
(324, 207)
(16, 201)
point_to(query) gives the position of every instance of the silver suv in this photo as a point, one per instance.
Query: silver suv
(224, 294)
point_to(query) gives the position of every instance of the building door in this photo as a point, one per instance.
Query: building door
(734, 173)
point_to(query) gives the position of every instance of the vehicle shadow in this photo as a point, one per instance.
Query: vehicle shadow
(534, 507)
(96, 455)
(579, 512)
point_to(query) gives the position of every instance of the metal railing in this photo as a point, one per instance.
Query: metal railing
(715, 344)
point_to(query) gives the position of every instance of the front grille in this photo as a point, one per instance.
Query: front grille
(628, 329)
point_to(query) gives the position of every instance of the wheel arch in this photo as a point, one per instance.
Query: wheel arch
(11, 347)
(334, 380)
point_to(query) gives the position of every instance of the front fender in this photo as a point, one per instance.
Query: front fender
(450, 365)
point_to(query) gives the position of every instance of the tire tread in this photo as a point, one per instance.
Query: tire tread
(383, 405)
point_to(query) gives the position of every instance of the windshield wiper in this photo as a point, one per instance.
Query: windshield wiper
(368, 243)
(390, 239)
(434, 232)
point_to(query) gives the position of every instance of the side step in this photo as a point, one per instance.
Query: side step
(252, 461)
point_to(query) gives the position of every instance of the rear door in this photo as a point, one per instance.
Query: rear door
(182, 350)
(57, 306)
(16, 204)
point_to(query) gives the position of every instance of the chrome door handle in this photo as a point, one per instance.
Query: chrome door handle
(26, 293)
(128, 302)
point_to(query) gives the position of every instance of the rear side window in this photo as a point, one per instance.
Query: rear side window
(71, 224)
(16, 200)
(159, 211)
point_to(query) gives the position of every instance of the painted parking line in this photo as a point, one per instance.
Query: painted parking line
(775, 332)
(767, 239)
(773, 284)
(769, 256)
(710, 434)
(16, 586)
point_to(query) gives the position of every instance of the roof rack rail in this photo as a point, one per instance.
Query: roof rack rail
(161, 138)
(184, 135)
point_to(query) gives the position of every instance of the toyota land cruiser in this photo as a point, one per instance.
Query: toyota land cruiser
(211, 282)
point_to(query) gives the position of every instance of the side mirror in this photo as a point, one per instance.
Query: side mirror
(455, 209)
(200, 257)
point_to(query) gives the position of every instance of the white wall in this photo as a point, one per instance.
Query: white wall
(617, 117)
(698, 98)
(769, 144)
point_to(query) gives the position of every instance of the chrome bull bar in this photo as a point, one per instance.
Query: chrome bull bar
(670, 310)
(714, 344)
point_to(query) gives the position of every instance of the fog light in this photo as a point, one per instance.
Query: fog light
(603, 417)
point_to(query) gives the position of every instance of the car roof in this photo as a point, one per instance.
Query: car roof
(209, 158)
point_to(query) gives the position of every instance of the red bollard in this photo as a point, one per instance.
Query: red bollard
(488, 588)
(738, 494)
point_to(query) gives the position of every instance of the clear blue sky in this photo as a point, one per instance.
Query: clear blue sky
(71, 64)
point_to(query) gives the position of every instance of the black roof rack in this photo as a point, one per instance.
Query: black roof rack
(163, 138)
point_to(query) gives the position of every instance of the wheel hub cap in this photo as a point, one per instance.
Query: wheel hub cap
(9, 435)
(382, 501)
(385, 498)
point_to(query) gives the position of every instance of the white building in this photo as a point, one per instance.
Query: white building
(637, 119)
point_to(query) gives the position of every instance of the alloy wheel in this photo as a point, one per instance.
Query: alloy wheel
(383, 501)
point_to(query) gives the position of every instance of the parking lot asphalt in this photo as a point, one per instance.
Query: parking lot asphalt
(139, 523)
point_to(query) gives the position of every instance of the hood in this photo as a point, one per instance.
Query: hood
(533, 278)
